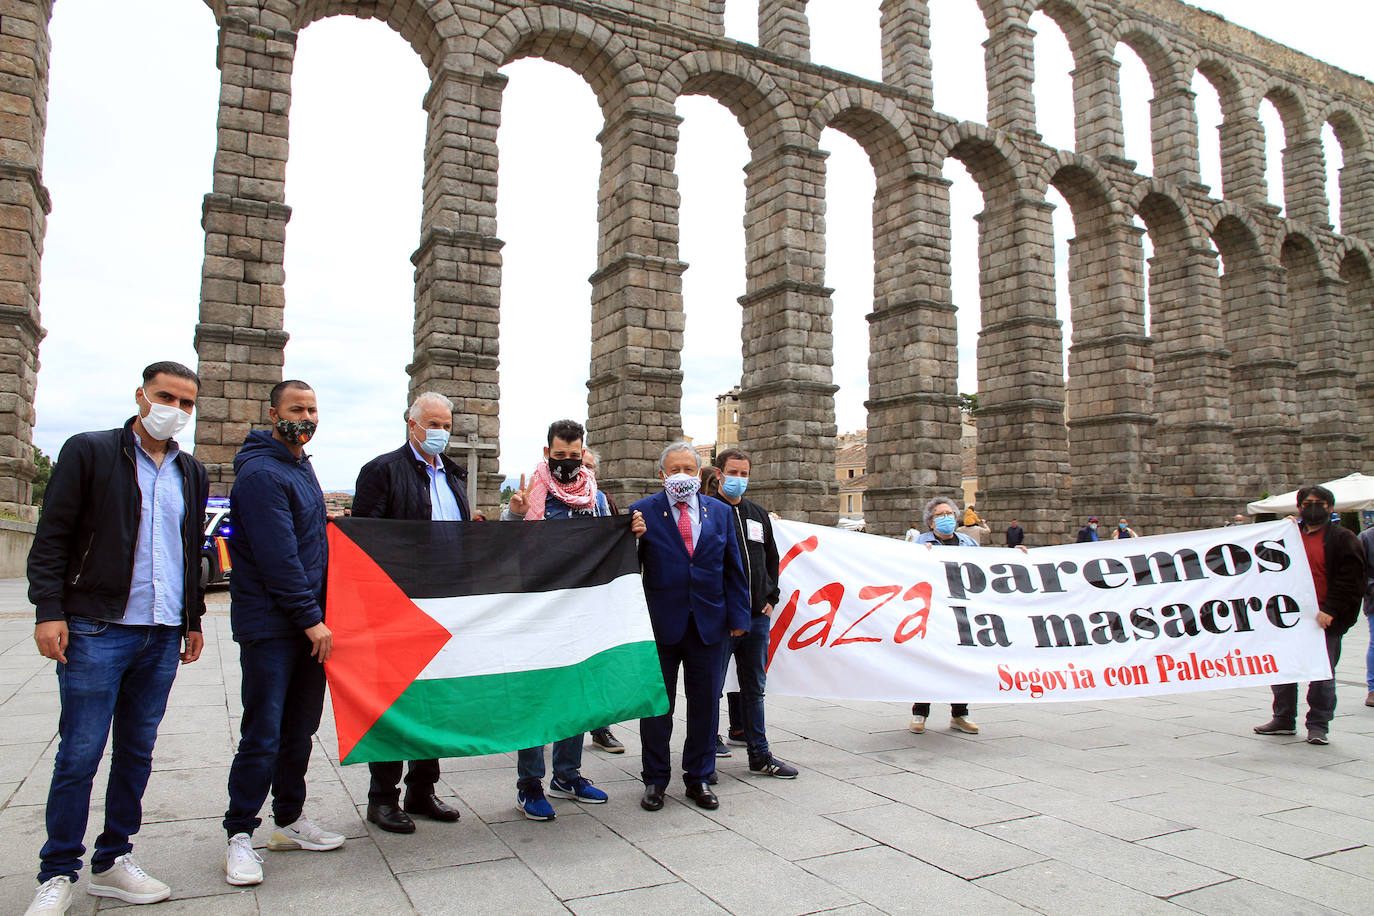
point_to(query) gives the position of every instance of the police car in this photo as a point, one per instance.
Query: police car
(214, 553)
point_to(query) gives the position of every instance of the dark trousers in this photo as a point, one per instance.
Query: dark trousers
(283, 696)
(1321, 695)
(955, 709)
(115, 677)
(386, 780)
(701, 680)
(750, 652)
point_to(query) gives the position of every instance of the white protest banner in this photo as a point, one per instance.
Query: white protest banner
(870, 618)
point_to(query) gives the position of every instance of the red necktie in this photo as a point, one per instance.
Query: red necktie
(684, 527)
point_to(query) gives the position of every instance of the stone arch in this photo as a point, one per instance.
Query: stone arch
(1234, 231)
(1087, 40)
(1321, 346)
(1354, 266)
(1166, 214)
(990, 157)
(1191, 364)
(1256, 332)
(1166, 68)
(1082, 180)
(1357, 169)
(1108, 437)
(876, 123)
(417, 23)
(573, 40)
(1241, 139)
(1173, 114)
(764, 111)
(1304, 162)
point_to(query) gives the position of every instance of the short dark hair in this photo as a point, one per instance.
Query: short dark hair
(167, 367)
(568, 430)
(292, 383)
(1320, 492)
(737, 454)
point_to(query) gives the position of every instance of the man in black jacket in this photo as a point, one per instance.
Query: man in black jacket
(276, 608)
(759, 556)
(114, 575)
(417, 481)
(1338, 574)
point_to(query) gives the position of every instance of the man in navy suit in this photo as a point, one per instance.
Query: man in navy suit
(697, 595)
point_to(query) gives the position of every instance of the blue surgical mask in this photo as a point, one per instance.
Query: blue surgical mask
(436, 440)
(945, 525)
(734, 487)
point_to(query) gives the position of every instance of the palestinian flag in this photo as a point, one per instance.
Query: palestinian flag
(453, 639)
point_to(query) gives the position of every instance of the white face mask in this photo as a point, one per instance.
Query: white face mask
(681, 487)
(164, 421)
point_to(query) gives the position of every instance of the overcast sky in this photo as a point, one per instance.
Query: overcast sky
(130, 146)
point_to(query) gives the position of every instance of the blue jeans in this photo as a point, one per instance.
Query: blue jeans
(283, 696)
(567, 763)
(750, 652)
(116, 678)
(1369, 656)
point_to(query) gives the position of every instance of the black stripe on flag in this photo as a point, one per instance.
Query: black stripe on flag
(449, 559)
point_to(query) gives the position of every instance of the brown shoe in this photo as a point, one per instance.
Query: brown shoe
(1369, 700)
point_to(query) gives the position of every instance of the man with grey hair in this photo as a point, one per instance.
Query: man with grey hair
(697, 595)
(416, 481)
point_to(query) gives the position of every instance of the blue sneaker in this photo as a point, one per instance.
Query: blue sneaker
(534, 805)
(579, 789)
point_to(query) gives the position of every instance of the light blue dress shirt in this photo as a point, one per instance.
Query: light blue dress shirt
(443, 505)
(157, 590)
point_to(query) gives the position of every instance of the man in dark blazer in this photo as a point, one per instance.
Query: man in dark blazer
(417, 482)
(697, 595)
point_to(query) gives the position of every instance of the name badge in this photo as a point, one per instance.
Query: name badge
(754, 530)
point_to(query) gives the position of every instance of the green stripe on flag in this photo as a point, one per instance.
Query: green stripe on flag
(496, 713)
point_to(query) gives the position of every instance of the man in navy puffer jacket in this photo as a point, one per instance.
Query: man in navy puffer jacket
(277, 609)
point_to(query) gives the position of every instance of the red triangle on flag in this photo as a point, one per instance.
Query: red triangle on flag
(382, 641)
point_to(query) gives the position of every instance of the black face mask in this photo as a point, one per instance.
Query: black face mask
(565, 470)
(1314, 514)
(297, 432)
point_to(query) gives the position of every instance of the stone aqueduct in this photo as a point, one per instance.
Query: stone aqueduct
(1249, 379)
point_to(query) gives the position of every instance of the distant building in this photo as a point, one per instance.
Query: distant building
(727, 419)
(968, 458)
(851, 467)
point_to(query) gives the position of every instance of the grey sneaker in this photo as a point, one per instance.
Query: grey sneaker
(304, 834)
(1275, 727)
(125, 880)
(1315, 736)
(53, 898)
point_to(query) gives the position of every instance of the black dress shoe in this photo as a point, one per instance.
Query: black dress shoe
(701, 793)
(390, 818)
(431, 807)
(653, 798)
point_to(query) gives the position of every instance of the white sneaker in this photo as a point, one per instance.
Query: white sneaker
(125, 880)
(304, 834)
(53, 897)
(918, 724)
(242, 864)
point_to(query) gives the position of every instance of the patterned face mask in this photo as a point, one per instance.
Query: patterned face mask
(681, 487)
(297, 432)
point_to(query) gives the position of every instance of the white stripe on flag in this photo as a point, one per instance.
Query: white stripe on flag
(529, 631)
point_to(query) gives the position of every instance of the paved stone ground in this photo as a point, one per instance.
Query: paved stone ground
(1141, 806)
